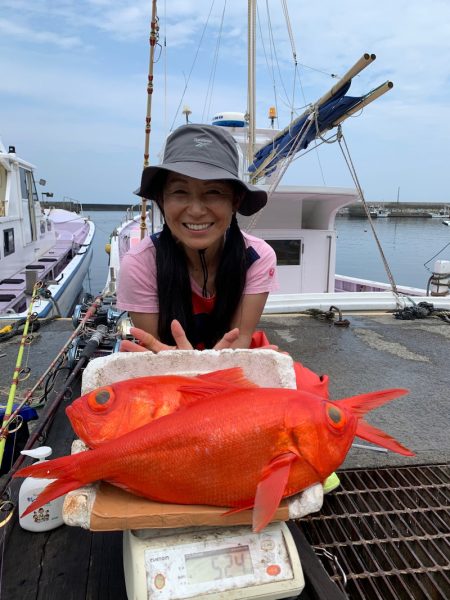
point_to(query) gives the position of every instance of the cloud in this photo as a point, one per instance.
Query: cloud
(74, 75)
(11, 30)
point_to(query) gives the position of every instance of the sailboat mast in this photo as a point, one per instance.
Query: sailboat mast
(148, 119)
(251, 78)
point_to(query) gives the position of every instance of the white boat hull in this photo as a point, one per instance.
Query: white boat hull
(64, 294)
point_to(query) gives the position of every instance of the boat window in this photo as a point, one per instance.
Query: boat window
(2, 191)
(23, 183)
(288, 251)
(8, 241)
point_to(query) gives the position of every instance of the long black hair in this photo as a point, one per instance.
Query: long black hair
(174, 286)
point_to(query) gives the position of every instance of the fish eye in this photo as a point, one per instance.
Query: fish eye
(101, 399)
(336, 417)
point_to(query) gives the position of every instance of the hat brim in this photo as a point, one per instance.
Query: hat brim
(253, 201)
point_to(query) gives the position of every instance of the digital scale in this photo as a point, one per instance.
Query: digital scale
(213, 563)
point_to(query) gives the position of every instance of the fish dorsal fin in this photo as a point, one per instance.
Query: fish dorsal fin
(216, 383)
(270, 490)
(228, 377)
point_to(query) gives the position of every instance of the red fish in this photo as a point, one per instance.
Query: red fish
(240, 449)
(108, 412)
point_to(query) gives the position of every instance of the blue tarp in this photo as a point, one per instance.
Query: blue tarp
(286, 144)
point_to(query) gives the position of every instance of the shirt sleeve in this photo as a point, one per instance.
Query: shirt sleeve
(262, 274)
(137, 290)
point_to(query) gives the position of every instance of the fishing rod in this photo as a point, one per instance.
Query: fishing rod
(15, 380)
(154, 34)
(4, 430)
(41, 429)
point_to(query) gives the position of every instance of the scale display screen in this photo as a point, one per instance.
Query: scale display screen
(215, 565)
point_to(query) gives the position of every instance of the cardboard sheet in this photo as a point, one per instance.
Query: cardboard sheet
(117, 510)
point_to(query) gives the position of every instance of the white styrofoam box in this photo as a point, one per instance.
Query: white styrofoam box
(266, 368)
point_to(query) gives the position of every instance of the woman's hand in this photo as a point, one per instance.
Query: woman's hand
(147, 341)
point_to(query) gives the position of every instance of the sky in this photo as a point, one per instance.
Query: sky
(73, 84)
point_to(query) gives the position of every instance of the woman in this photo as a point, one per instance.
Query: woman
(201, 282)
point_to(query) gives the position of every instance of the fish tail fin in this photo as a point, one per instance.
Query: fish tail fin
(50, 492)
(51, 469)
(226, 378)
(381, 438)
(66, 470)
(363, 403)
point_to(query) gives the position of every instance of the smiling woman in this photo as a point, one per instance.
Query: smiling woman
(201, 282)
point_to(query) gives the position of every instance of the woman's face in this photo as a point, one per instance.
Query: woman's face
(198, 212)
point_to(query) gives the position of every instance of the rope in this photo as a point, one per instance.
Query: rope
(349, 162)
(274, 47)
(437, 254)
(209, 91)
(294, 52)
(422, 310)
(192, 66)
(269, 66)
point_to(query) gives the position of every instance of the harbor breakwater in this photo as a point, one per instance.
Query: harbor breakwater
(378, 209)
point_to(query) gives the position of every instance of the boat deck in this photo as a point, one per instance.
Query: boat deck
(374, 352)
(12, 289)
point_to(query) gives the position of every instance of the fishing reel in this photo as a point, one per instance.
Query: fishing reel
(106, 347)
(106, 314)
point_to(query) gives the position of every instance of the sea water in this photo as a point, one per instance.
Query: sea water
(410, 245)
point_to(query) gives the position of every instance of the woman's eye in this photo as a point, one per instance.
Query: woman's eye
(218, 193)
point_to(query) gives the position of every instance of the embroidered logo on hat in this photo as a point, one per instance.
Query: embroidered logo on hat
(202, 142)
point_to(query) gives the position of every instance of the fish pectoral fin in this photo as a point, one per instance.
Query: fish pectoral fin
(270, 489)
(378, 436)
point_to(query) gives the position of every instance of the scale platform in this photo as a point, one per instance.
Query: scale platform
(208, 564)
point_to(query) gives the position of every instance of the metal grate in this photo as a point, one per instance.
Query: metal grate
(388, 531)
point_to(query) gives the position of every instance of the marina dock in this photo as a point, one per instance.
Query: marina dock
(374, 352)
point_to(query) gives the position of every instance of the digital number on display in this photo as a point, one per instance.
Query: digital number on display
(213, 565)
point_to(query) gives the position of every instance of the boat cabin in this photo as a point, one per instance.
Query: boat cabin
(298, 222)
(35, 245)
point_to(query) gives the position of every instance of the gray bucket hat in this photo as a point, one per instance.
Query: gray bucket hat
(203, 152)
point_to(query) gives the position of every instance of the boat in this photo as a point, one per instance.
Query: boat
(44, 254)
(445, 222)
(439, 214)
(377, 212)
(299, 223)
